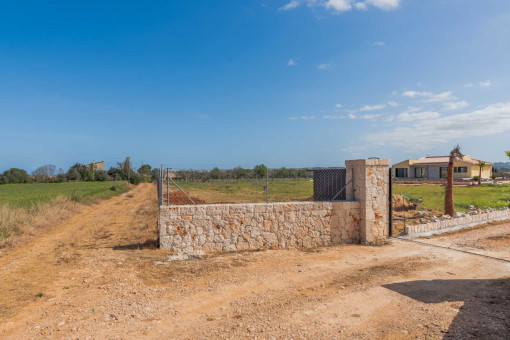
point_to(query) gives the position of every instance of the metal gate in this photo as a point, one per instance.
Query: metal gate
(329, 184)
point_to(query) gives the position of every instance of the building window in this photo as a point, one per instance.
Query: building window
(443, 172)
(401, 172)
(460, 169)
(418, 172)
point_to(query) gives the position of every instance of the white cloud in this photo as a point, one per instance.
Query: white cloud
(379, 43)
(392, 104)
(369, 116)
(372, 107)
(411, 117)
(351, 116)
(323, 66)
(456, 105)
(338, 106)
(291, 62)
(384, 4)
(425, 134)
(468, 85)
(361, 6)
(339, 6)
(292, 4)
(333, 117)
(430, 97)
(303, 118)
(485, 83)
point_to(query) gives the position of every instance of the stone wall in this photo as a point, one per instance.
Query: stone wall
(456, 223)
(227, 227)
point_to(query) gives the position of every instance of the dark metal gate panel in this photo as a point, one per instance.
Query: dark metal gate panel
(327, 183)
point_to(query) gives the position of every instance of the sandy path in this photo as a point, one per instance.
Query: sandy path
(101, 278)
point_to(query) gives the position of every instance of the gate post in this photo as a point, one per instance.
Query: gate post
(370, 184)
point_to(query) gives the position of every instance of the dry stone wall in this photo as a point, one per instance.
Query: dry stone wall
(227, 227)
(456, 223)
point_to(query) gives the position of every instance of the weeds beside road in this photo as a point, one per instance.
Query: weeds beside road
(26, 209)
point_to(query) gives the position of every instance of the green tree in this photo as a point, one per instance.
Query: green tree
(145, 169)
(508, 153)
(73, 174)
(215, 173)
(102, 176)
(260, 171)
(14, 175)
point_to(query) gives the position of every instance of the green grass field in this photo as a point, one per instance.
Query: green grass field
(28, 195)
(249, 191)
(479, 197)
(281, 190)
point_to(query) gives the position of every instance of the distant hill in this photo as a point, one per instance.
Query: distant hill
(502, 166)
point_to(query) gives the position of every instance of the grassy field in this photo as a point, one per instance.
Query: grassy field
(480, 197)
(28, 195)
(249, 191)
(281, 190)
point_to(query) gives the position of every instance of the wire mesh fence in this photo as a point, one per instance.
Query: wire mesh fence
(178, 185)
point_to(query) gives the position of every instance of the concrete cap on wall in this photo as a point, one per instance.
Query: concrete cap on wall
(368, 162)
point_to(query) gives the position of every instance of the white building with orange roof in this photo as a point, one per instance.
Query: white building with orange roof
(437, 167)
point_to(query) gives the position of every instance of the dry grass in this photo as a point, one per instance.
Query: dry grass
(19, 223)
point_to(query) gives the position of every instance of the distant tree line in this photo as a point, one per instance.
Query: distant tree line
(258, 172)
(79, 172)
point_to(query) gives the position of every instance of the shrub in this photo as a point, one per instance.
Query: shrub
(14, 175)
(475, 178)
(73, 174)
(102, 176)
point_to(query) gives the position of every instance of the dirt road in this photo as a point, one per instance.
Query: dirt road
(98, 275)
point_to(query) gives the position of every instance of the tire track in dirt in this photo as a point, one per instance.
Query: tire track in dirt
(27, 271)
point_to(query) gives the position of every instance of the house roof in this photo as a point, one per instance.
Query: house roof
(444, 160)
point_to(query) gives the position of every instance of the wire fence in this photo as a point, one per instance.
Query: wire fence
(178, 185)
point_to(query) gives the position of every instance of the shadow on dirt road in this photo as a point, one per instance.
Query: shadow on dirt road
(485, 313)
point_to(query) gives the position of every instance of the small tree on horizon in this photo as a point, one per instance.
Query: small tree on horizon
(508, 154)
(449, 206)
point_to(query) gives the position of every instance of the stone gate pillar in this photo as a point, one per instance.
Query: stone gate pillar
(370, 186)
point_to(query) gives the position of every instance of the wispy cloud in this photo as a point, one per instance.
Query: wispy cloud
(456, 105)
(425, 133)
(334, 117)
(338, 106)
(485, 83)
(372, 107)
(429, 96)
(379, 43)
(339, 6)
(323, 66)
(292, 4)
(412, 117)
(303, 118)
(291, 62)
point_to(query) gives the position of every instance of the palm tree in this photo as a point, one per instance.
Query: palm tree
(448, 198)
(481, 165)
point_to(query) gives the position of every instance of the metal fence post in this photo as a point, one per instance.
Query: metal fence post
(267, 185)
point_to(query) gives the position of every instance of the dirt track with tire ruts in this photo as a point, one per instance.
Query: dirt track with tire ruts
(99, 274)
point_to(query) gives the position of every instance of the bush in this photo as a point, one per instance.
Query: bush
(14, 175)
(135, 178)
(73, 174)
(102, 176)
(475, 178)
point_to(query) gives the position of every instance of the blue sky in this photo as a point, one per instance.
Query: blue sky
(285, 83)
